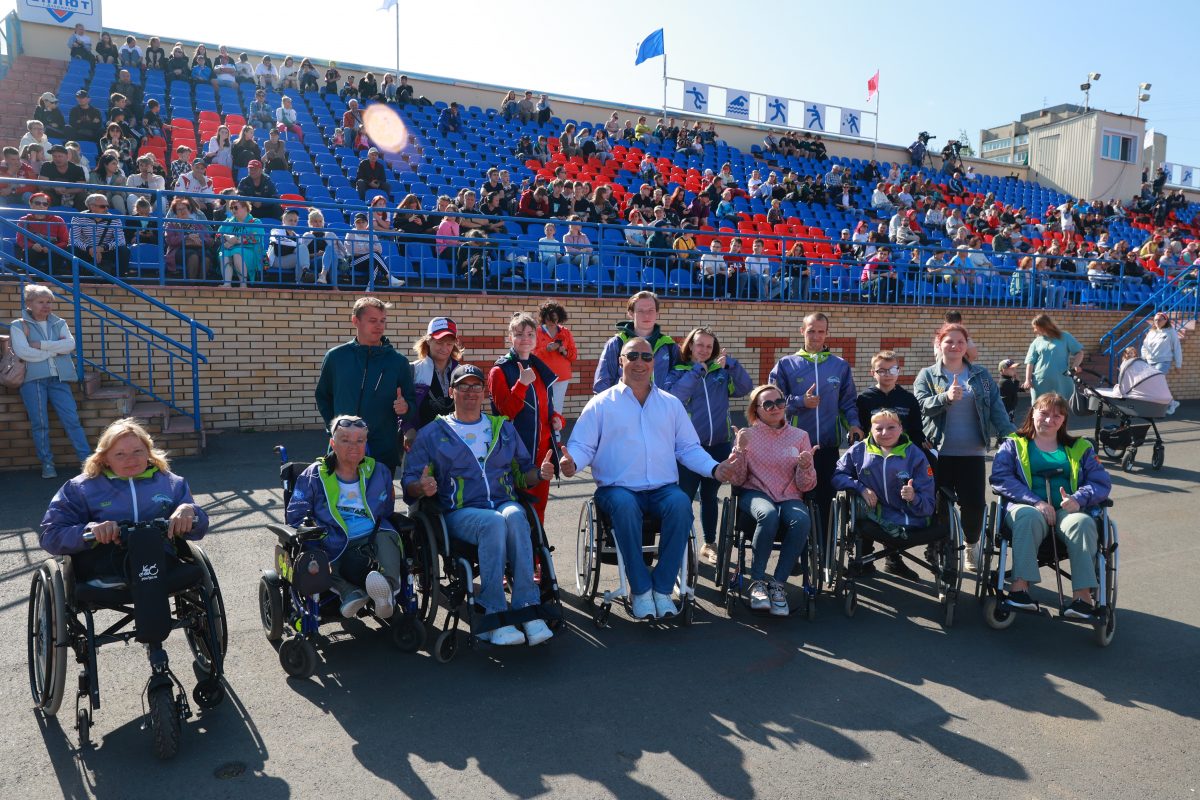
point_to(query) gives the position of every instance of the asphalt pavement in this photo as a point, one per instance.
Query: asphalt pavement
(886, 704)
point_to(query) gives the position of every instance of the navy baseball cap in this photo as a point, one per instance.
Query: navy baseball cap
(464, 371)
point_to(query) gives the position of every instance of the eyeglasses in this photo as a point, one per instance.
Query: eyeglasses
(468, 387)
(771, 405)
(350, 422)
(892, 370)
(635, 355)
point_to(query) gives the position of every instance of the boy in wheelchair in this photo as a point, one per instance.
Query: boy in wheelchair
(891, 482)
(351, 496)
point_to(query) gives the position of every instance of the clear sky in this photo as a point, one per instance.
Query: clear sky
(944, 66)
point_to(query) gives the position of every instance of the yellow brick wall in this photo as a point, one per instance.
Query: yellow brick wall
(264, 361)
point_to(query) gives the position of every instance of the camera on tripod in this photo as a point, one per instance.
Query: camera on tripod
(953, 149)
(924, 136)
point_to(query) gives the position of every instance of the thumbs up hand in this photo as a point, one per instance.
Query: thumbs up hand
(566, 464)
(1069, 503)
(527, 375)
(908, 492)
(955, 392)
(429, 485)
(401, 405)
(741, 438)
(723, 358)
(811, 398)
(547, 468)
(806, 458)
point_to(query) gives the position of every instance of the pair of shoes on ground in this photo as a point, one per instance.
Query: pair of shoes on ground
(652, 605)
(708, 553)
(535, 632)
(769, 596)
(379, 590)
(895, 566)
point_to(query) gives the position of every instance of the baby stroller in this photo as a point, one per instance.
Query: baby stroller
(1141, 393)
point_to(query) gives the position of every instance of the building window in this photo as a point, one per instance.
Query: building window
(997, 144)
(1022, 139)
(1118, 147)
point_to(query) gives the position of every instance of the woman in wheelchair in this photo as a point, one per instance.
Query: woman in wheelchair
(891, 478)
(1049, 479)
(773, 463)
(126, 479)
(351, 496)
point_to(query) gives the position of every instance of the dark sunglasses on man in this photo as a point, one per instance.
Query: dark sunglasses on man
(635, 355)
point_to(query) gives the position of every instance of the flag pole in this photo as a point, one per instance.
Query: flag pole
(664, 108)
(397, 8)
(875, 144)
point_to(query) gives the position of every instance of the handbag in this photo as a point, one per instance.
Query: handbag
(12, 368)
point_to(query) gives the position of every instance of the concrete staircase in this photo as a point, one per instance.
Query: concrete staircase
(19, 92)
(99, 403)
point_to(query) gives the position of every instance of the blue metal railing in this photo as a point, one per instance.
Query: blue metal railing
(1177, 298)
(10, 42)
(133, 333)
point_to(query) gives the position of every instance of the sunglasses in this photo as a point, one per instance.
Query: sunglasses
(771, 405)
(893, 370)
(634, 356)
(351, 422)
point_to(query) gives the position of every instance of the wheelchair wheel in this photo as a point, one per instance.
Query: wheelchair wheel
(1128, 458)
(1159, 454)
(587, 553)
(211, 627)
(164, 721)
(408, 634)
(445, 647)
(426, 560)
(995, 614)
(724, 539)
(208, 693)
(1105, 627)
(47, 637)
(688, 612)
(270, 605)
(298, 657)
(83, 724)
(849, 600)
(948, 610)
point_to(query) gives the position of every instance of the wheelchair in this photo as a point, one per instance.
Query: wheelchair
(295, 596)
(62, 619)
(944, 550)
(734, 534)
(455, 584)
(994, 576)
(595, 545)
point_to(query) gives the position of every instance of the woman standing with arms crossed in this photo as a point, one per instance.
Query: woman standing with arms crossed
(556, 347)
(963, 416)
(1161, 350)
(704, 380)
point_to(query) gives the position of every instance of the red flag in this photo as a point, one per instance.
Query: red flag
(872, 85)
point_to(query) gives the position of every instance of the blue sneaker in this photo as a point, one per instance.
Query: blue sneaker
(642, 606)
(353, 603)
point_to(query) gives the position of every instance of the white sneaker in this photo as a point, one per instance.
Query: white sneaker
(971, 555)
(1174, 404)
(642, 606)
(504, 637)
(708, 554)
(321, 278)
(664, 606)
(394, 282)
(379, 589)
(779, 601)
(758, 596)
(536, 632)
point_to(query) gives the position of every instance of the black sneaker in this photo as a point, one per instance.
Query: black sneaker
(863, 570)
(1021, 600)
(1080, 609)
(895, 566)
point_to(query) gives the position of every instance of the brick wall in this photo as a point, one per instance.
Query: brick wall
(264, 362)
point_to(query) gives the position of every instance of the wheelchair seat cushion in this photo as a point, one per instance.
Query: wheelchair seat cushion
(179, 577)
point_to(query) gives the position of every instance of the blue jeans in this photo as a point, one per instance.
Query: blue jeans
(767, 517)
(501, 536)
(709, 486)
(626, 508)
(37, 394)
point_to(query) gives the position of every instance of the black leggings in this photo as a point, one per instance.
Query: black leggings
(824, 462)
(966, 476)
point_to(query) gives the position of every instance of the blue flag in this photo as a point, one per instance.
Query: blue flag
(650, 47)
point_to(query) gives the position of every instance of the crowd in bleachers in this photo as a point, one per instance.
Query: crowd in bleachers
(515, 197)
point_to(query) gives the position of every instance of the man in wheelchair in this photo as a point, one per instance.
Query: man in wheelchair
(351, 496)
(1049, 480)
(473, 463)
(892, 481)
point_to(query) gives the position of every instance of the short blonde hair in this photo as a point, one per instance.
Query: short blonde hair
(95, 465)
(315, 213)
(887, 413)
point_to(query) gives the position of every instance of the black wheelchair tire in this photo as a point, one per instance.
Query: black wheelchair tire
(1105, 628)
(83, 724)
(995, 615)
(1158, 456)
(850, 601)
(270, 605)
(164, 721)
(208, 693)
(47, 628)
(298, 657)
(445, 647)
(1128, 458)
(198, 639)
(408, 634)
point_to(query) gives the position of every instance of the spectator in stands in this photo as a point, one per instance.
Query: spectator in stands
(266, 75)
(509, 106)
(156, 57)
(285, 248)
(220, 149)
(635, 234)
(178, 67)
(99, 237)
(145, 178)
(50, 227)
(131, 92)
(85, 121)
(408, 219)
(566, 141)
(371, 174)
(725, 210)
(260, 114)
(245, 148)
(332, 77)
(140, 227)
(364, 249)
(448, 120)
(43, 341)
(258, 185)
(224, 69)
(242, 243)
(380, 219)
(181, 165)
(288, 75)
(106, 51)
(286, 120)
(310, 76)
(577, 246)
(387, 89)
(349, 88)
(79, 44)
(525, 108)
(108, 172)
(543, 110)
(201, 68)
(323, 247)
(275, 155)
(115, 139)
(404, 92)
(189, 242)
(714, 272)
(15, 195)
(195, 179)
(534, 203)
(51, 118)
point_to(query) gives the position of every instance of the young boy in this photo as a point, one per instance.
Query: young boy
(888, 393)
(1009, 386)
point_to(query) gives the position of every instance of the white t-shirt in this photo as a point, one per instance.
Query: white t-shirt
(475, 435)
